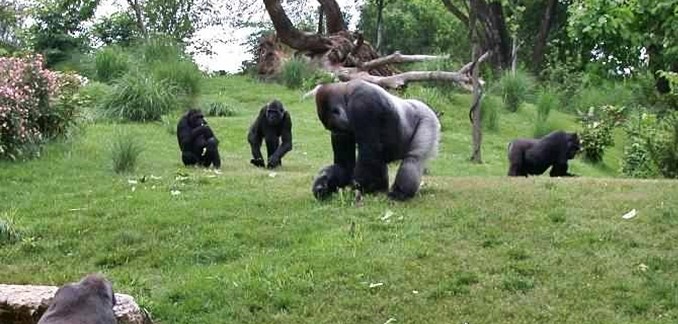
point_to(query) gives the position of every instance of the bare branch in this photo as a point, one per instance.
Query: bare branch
(292, 36)
(335, 21)
(398, 58)
(466, 68)
(399, 80)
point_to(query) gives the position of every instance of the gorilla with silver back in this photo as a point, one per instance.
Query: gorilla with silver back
(385, 128)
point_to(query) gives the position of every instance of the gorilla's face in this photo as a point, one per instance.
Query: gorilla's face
(275, 113)
(574, 145)
(196, 118)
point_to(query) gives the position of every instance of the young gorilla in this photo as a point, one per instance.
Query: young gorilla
(197, 141)
(385, 128)
(273, 125)
(89, 301)
(534, 156)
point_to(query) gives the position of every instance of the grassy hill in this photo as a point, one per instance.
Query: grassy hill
(252, 246)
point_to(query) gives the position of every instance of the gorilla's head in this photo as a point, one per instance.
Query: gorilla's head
(99, 285)
(275, 112)
(573, 145)
(195, 118)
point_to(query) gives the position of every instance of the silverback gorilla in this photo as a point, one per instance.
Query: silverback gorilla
(385, 128)
(89, 301)
(534, 156)
(274, 125)
(197, 141)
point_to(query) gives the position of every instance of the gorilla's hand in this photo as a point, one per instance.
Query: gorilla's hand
(258, 162)
(321, 187)
(273, 163)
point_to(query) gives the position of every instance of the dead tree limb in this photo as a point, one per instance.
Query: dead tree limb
(398, 58)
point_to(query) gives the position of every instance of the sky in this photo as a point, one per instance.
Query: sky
(228, 56)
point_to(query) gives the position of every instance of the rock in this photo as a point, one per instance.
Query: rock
(25, 304)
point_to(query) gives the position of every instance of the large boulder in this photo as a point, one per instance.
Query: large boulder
(25, 304)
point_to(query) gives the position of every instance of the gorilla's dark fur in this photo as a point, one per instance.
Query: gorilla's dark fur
(274, 125)
(197, 141)
(534, 156)
(385, 128)
(89, 301)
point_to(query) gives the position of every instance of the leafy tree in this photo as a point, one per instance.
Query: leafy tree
(58, 29)
(120, 28)
(11, 18)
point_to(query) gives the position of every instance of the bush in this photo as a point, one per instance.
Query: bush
(35, 105)
(217, 109)
(664, 146)
(546, 100)
(317, 77)
(490, 113)
(597, 125)
(617, 95)
(125, 152)
(140, 97)
(160, 49)
(515, 88)
(110, 63)
(294, 72)
(93, 94)
(184, 75)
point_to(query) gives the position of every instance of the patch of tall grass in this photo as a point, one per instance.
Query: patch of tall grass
(515, 89)
(140, 97)
(111, 62)
(125, 152)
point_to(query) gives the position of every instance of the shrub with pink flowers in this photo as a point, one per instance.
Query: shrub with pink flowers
(35, 105)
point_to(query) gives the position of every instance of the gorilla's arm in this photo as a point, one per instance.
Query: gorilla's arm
(339, 174)
(371, 171)
(286, 145)
(254, 137)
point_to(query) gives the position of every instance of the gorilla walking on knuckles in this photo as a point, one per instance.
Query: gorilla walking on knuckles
(89, 301)
(197, 141)
(274, 125)
(385, 128)
(534, 156)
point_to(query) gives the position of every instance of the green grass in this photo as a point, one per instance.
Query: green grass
(248, 246)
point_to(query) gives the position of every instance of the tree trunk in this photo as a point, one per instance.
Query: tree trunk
(335, 20)
(542, 36)
(292, 36)
(380, 10)
(321, 20)
(492, 34)
(514, 54)
(139, 17)
(475, 113)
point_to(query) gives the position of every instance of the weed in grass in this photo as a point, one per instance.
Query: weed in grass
(9, 233)
(547, 99)
(125, 152)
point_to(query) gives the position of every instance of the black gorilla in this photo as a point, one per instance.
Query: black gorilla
(534, 156)
(385, 128)
(274, 125)
(197, 141)
(89, 301)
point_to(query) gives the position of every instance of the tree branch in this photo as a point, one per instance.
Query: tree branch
(292, 36)
(456, 11)
(397, 58)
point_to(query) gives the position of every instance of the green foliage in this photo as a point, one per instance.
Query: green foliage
(169, 123)
(94, 94)
(637, 161)
(664, 146)
(66, 110)
(218, 109)
(547, 99)
(416, 27)
(607, 94)
(139, 96)
(57, 21)
(317, 77)
(515, 88)
(294, 72)
(597, 125)
(490, 113)
(125, 151)
(182, 74)
(111, 62)
(159, 48)
(120, 28)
